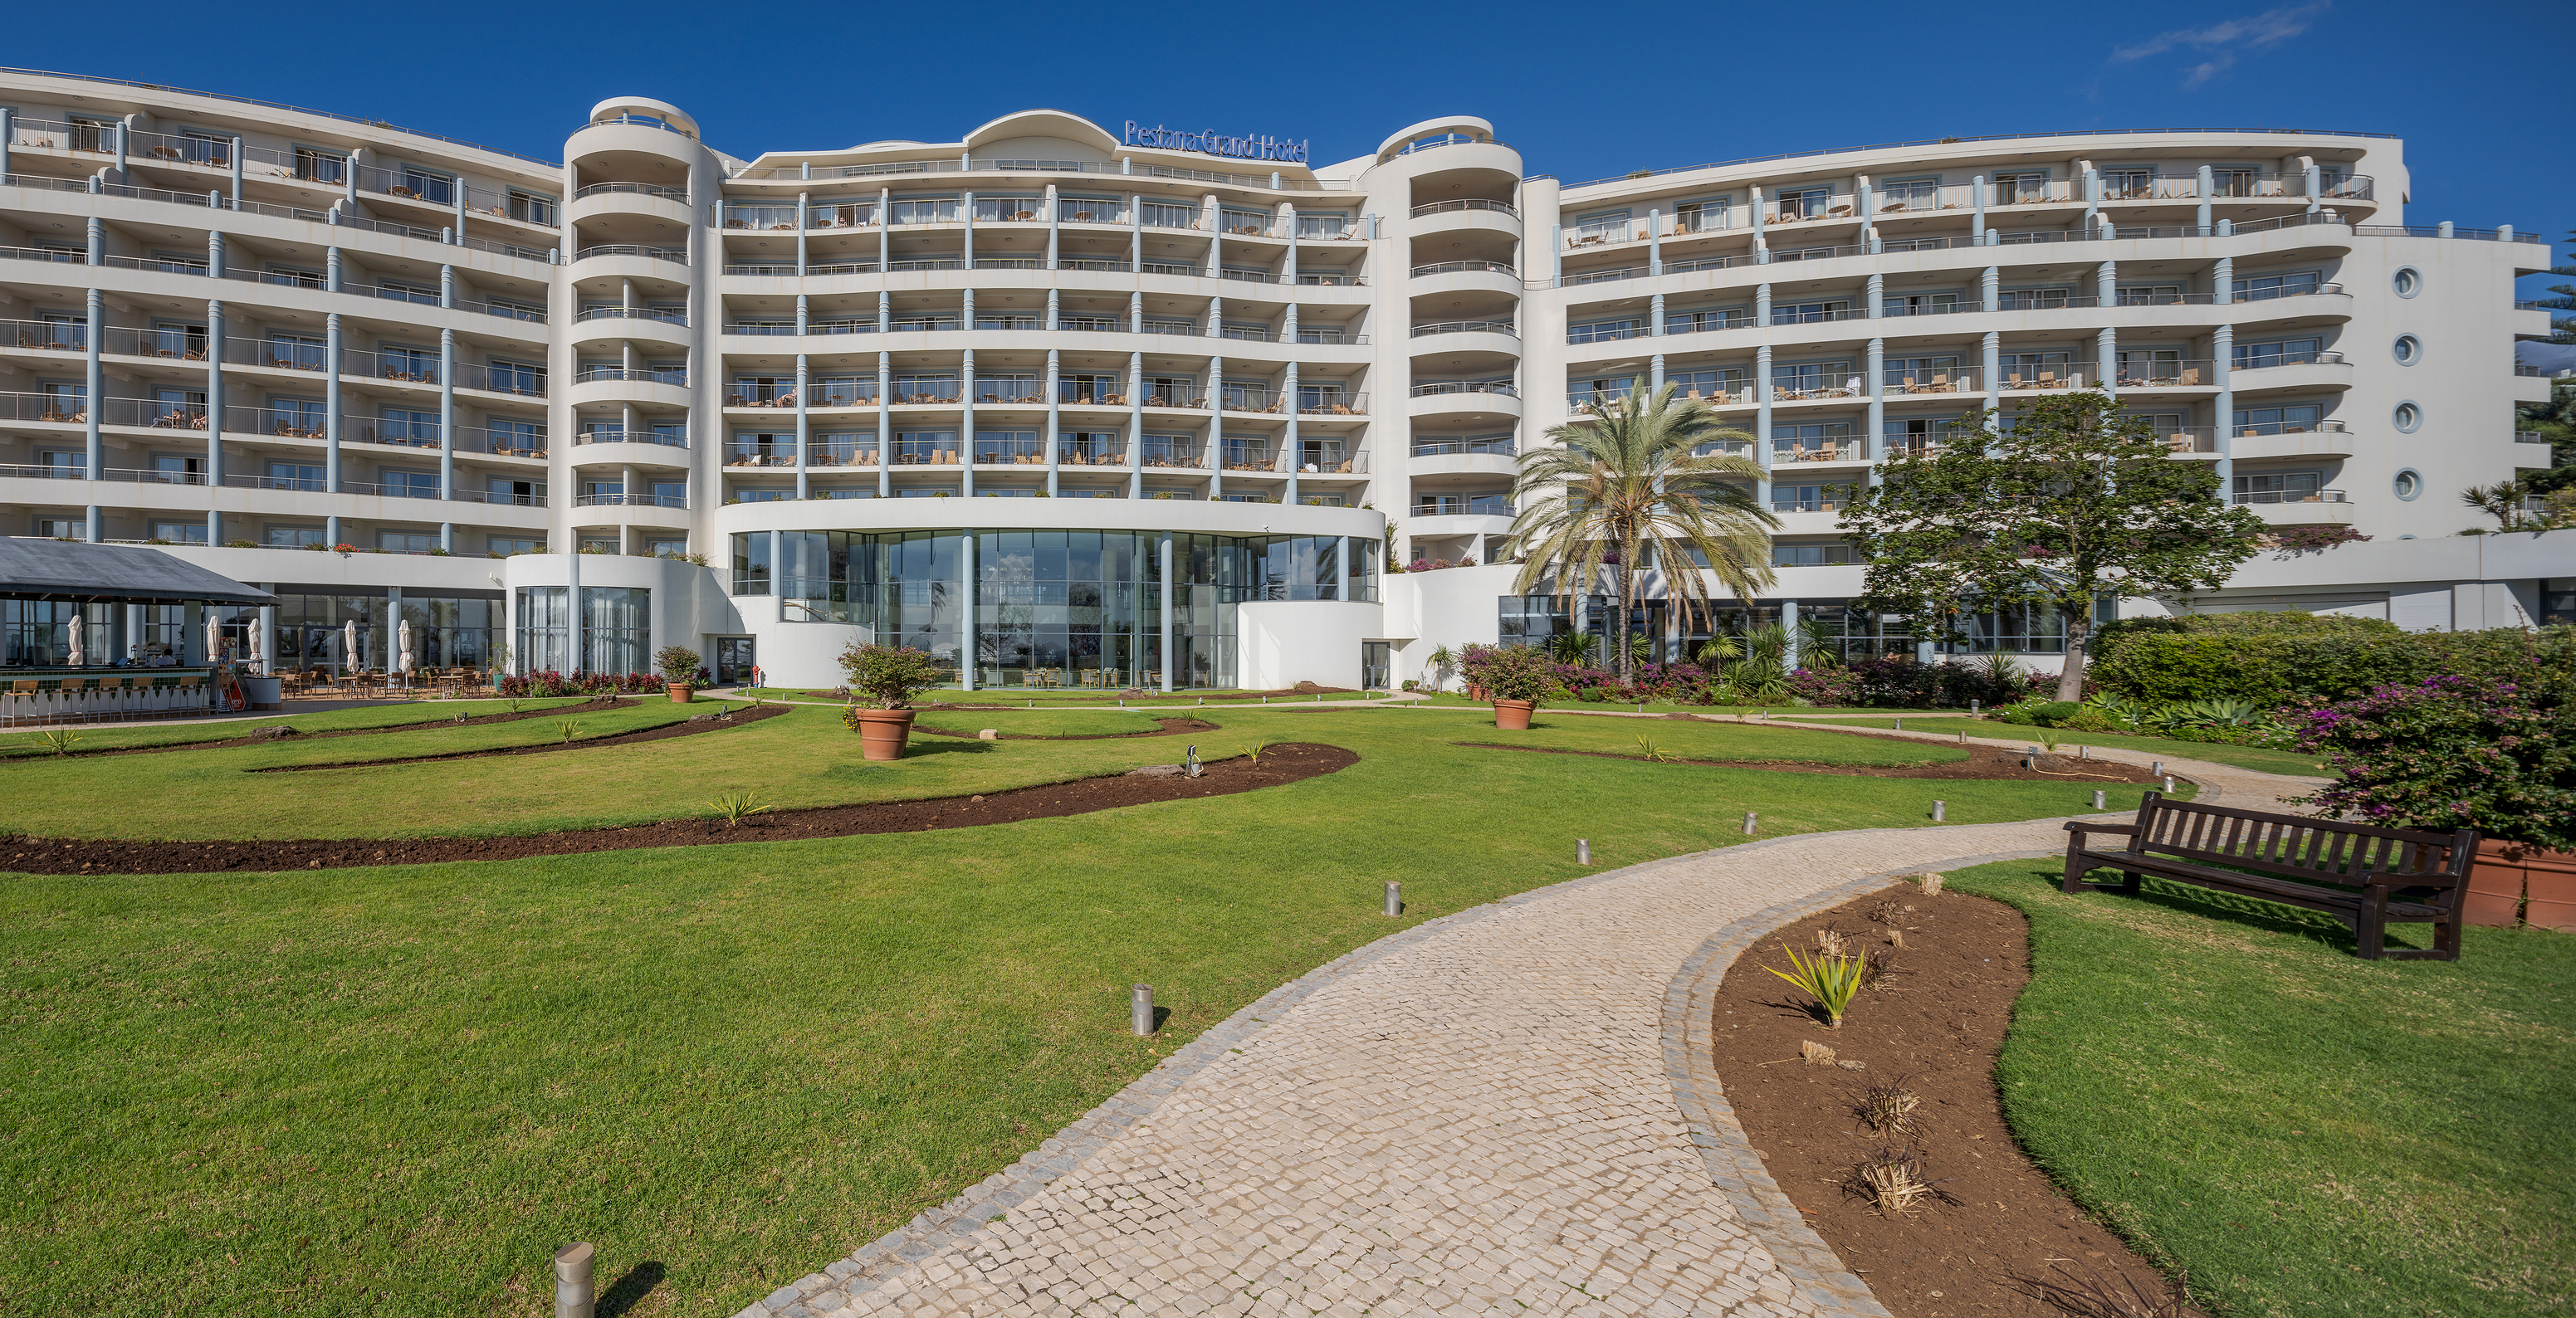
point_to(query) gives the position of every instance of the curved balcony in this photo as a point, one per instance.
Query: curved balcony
(2325, 370)
(648, 200)
(1481, 458)
(1465, 277)
(617, 324)
(2327, 439)
(2299, 507)
(638, 448)
(1464, 401)
(1466, 215)
(659, 512)
(606, 387)
(1492, 338)
(631, 261)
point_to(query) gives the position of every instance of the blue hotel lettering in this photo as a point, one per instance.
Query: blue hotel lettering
(1215, 144)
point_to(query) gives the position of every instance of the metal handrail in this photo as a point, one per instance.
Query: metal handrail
(677, 255)
(1459, 267)
(1465, 204)
(639, 189)
(1467, 327)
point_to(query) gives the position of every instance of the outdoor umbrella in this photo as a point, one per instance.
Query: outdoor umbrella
(214, 639)
(258, 648)
(349, 646)
(79, 657)
(406, 647)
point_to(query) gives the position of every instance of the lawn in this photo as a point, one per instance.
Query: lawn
(1045, 697)
(108, 736)
(397, 1090)
(2305, 1132)
(1453, 700)
(2243, 757)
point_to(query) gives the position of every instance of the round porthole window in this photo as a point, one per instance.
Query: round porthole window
(2407, 282)
(2408, 349)
(2408, 416)
(2408, 485)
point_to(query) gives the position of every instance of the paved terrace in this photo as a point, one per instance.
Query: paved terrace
(1504, 1111)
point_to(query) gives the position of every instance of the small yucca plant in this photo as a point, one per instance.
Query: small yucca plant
(570, 728)
(58, 741)
(1831, 980)
(734, 807)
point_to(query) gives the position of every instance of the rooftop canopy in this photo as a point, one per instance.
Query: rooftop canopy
(71, 570)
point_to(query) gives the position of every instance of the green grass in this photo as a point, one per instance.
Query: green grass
(2243, 757)
(1039, 722)
(397, 1090)
(1453, 700)
(1042, 698)
(2305, 1132)
(108, 736)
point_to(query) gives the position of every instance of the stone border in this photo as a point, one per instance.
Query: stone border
(1734, 1165)
(869, 1267)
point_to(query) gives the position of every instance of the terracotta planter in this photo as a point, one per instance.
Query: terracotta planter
(2507, 873)
(1513, 715)
(680, 692)
(882, 732)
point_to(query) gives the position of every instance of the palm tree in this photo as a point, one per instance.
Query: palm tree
(1627, 488)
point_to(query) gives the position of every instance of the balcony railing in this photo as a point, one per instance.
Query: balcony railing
(2256, 361)
(632, 189)
(630, 500)
(675, 255)
(1465, 267)
(1091, 453)
(1248, 398)
(1466, 204)
(1169, 454)
(631, 437)
(1929, 380)
(1467, 327)
(1605, 333)
(598, 374)
(1450, 448)
(2167, 373)
(1331, 404)
(2328, 426)
(855, 454)
(1464, 505)
(1246, 457)
(2290, 496)
(740, 458)
(1503, 387)
(666, 315)
(47, 335)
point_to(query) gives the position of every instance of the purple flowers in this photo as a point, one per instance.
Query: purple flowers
(2449, 753)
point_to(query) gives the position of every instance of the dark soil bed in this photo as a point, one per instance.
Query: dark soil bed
(1984, 762)
(1936, 1030)
(1169, 727)
(1280, 765)
(684, 728)
(592, 705)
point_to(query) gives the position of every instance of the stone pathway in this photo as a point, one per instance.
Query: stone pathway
(1487, 1114)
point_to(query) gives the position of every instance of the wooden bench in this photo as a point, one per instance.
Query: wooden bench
(2359, 874)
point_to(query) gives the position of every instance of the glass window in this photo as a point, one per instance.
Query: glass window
(616, 629)
(545, 630)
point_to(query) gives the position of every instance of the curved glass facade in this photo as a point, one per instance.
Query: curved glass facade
(1050, 608)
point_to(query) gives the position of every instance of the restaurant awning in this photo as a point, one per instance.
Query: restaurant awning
(73, 570)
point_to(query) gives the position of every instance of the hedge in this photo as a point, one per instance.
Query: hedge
(2284, 666)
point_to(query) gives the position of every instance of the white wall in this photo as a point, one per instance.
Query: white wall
(1281, 643)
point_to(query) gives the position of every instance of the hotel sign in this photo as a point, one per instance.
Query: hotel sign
(1212, 143)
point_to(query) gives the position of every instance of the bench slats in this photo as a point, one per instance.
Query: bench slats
(2352, 871)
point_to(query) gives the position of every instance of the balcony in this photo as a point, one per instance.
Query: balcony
(674, 255)
(1463, 505)
(1010, 452)
(1465, 267)
(1928, 380)
(663, 439)
(1314, 403)
(2136, 371)
(1251, 458)
(1468, 204)
(1503, 327)
(630, 501)
(2298, 507)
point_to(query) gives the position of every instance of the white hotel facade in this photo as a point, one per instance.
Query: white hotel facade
(1095, 413)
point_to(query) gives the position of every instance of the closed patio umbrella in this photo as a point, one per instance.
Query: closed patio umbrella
(79, 656)
(258, 648)
(349, 657)
(406, 647)
(214, 639)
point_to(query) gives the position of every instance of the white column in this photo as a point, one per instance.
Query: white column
(1054, 403)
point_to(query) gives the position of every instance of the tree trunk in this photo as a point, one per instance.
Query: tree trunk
(2070, 679)
(1627, 593)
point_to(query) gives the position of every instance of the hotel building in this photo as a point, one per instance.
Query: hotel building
(1112, 405)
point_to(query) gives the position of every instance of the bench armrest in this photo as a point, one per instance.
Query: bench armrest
(2079, 826)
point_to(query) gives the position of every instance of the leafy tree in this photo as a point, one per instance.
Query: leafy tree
(1626, 487)
(2073, 502)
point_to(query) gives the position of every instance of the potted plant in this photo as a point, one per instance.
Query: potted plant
(679, 665)
(2451, 753)
(884, 681)
(1514, 678)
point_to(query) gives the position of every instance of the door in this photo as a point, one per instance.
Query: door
(734, 659)
(1376, 659)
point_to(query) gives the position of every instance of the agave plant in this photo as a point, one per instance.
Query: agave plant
(1573, 647)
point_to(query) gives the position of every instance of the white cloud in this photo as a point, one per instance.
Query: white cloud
(2224, 42)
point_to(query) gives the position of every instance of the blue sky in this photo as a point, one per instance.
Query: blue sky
(1584, 91)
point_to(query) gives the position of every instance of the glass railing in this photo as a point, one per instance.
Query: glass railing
(1465, 267)
(1929, 380)
(1450, 448)
(925, 452)
(663, 438)
(1431, 387)
(1465, 204)
(631, 189)
(1091, 453)
(2168, 372)
(1604, 333)
(2290, 496)
(1166, 453)
(1330, 403)
(1246, 457)
(667, 315)
(1467, 327)
(841, 454)
(1464, 505)
(676, 255)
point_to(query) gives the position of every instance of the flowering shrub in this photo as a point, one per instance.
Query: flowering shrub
(1513, 672)
(1898, 682)
(551, 683)
(2308, 539)
(889, 676)
(2449, 753)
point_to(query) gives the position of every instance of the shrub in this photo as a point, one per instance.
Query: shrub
(890, 676)
(679, 664)
(1515, 672)
(2452, 752)
(2051, 713)
(2323, 660)
(1830, 979)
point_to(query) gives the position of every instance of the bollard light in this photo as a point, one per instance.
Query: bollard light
(1394, 897)
(1972, 709)
(2101, 799)
(2168, 784)
(572, 1280)
(1140, 1010)
(1940, 810)
(1583, 851)
(1192, 760)
(1900, 725)
(2159, 769)
(1749, 820)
